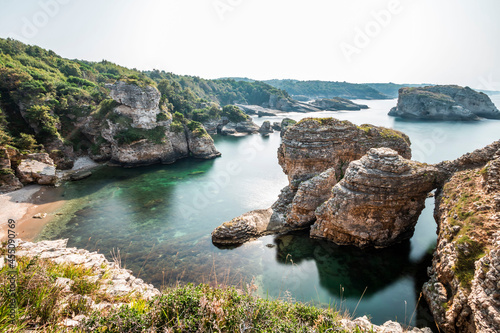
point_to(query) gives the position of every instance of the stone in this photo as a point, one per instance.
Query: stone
(241, 229)
(378, 201)
(285, 124)
(79, 175)
(266, 128)
(34, 171)
(244, 127)
(447, 102)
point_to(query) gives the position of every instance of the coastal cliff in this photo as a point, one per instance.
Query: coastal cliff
(462, 291)
(444, 103)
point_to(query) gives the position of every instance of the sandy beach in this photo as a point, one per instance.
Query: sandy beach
(23, 204)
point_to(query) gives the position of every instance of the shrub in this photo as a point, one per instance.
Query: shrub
(234, 114)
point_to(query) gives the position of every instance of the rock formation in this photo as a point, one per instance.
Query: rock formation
(315, 145)
(285, 124)
(140, 133)
(241, 128)
(266, 128)
(37, 168)
(314, 154)
(444, 103)
(378, 201)
(338, 103)
(463, 291)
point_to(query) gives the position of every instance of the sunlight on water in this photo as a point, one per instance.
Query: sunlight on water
(161, 217)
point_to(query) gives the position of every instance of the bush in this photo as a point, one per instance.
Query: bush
(234, 114)
(47, 123)
(26, 142)
(131, 135)
(197, 129)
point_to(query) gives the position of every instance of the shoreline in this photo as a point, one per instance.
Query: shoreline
(21, 205)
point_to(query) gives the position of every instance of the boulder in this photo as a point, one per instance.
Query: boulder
(33, 170)
(266, 128)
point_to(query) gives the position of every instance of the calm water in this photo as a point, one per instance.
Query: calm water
(160, 218)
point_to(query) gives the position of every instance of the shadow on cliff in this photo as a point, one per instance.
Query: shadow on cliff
(350, 267)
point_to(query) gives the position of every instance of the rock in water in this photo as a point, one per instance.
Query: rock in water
(444, 103)
(338, 104)
(378, 201)
(266, 128)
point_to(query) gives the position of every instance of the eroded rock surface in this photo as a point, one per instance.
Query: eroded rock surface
(338, 103)
(378, 201)
(140, 133)
(37, 168)
(314, 145)
(463, 291)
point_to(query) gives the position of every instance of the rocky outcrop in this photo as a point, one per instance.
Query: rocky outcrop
(444, 103)
(316, 144)
(285, 124)
(378, 201)
(241, 128)
(140, 133)
(314, 154)
(266, 128)
(243, 228)
(37, 168)
(335, 104)
(463, 291)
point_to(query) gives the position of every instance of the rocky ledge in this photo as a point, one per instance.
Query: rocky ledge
(444, 103)
(113, 281)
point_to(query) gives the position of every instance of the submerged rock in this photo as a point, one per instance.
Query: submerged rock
(444, 103)
(378, 201)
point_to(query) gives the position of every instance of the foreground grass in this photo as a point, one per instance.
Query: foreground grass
(42, 306)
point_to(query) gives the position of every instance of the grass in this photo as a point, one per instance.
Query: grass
(469, 251)
(41, 306)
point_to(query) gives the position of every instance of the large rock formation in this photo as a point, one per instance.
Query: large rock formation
(444, 103)
(37, 168)
(378, 201)
(314, 154)
(138, 132)
(463, 291)
(317, 144)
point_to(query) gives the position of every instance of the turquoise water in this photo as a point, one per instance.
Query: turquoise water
(160, 218)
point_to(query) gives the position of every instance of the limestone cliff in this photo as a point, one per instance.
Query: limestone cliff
(463, 290)
(138, 132)
(444, 103)
(378, 201)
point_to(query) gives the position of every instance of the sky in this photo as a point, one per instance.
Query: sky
(402, 41)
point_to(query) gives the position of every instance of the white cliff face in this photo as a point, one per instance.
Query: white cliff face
(153, 140)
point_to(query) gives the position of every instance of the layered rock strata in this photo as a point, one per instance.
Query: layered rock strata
(463, 291)
(314, 154)
(378, 201)
(444, 103)
(316, 144)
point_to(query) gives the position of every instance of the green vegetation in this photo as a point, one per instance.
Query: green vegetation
(469, 251)
(327, 89)
(131, 135)
(41, 305)
(197, 129)
(234, 114)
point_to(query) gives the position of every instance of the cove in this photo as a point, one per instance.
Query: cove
(160, 218)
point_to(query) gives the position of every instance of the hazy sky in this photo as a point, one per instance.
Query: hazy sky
(405, 41)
